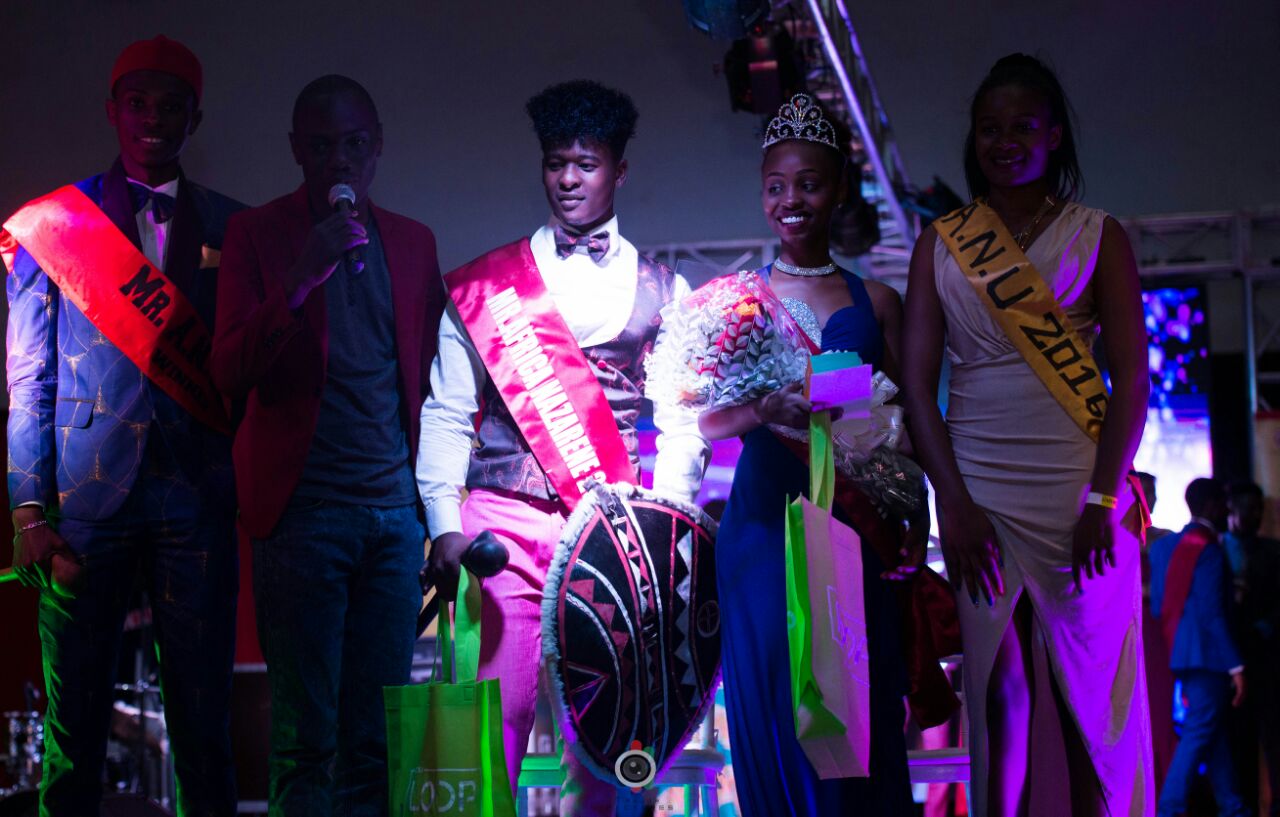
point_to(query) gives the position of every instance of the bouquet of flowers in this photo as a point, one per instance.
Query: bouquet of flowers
(733, 341)
(728, 343)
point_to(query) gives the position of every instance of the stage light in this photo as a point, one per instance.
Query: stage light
(725, 19)
(762, 70)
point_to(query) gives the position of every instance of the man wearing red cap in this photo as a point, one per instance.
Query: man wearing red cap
(119, 447)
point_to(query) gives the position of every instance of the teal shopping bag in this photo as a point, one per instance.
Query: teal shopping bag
(444, 739)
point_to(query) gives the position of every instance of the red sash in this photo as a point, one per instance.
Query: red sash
(132, 303)
(1178, 579)
(540, 371)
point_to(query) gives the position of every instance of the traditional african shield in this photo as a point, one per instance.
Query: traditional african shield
(631, 626)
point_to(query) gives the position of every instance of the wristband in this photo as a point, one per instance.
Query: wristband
(1105, 500)
(32, 526)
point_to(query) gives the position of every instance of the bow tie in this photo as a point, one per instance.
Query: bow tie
(596, 245)
(162, 204)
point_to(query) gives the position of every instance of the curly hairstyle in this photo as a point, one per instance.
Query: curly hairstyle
(582, 110)
(1063, 172)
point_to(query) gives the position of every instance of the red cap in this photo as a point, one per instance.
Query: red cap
(161, 54)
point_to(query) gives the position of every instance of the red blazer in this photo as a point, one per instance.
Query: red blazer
(270, 362)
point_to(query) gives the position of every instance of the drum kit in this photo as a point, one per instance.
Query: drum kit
(25, 751)
(138, 776)
(620, 538)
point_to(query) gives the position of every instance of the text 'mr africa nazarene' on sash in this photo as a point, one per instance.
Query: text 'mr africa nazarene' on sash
(544, 387)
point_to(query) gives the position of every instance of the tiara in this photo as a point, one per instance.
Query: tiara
(800, 119)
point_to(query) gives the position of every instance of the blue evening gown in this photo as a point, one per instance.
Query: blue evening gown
(772, 774)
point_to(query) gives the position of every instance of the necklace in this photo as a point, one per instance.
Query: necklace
(1023, 238)
(804, 272)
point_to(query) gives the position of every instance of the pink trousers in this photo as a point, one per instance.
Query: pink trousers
(511, 622)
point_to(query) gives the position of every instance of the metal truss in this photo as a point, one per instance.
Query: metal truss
(836, 72)
(1178, 248)
(1242, 245)
(700, 261)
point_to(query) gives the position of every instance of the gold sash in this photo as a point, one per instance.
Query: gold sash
(1025, 308)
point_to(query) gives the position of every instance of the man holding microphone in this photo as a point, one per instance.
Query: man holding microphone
(328, 315)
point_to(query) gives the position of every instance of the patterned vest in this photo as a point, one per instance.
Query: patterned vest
(503, 460)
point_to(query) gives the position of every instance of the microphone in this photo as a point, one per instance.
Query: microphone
(486, 556)
(343, 200)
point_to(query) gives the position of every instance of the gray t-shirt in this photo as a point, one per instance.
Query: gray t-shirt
(359, 454)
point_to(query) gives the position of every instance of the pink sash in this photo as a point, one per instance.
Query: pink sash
(540, 371)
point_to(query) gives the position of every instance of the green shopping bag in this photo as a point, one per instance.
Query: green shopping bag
(444, 739)
(826, 623)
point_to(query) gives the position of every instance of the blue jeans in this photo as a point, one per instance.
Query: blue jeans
(1204, 740)
(184, 548)
(337, 592)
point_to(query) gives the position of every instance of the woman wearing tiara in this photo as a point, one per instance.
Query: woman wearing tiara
(804, 181)
(1030, 465)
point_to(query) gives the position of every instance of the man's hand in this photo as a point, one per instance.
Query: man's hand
(327, 243)
(40, 555)
(445, 563)
(1238, 687)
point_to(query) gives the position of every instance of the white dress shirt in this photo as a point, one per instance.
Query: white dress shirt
(596, 300)
(155, 237)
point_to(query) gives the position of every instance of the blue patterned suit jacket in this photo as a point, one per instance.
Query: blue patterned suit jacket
(81, 414)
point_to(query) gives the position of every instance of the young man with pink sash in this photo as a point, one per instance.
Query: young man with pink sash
(119, 454)
(544, 340)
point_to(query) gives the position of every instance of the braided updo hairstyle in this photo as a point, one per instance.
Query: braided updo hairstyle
(1063, 173)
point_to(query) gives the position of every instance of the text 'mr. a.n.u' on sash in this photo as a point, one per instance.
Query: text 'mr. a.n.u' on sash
(1024, 307)
(131, 302)
(540, 371)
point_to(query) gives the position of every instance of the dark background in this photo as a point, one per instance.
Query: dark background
(1177, 100)
(1177, 104)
